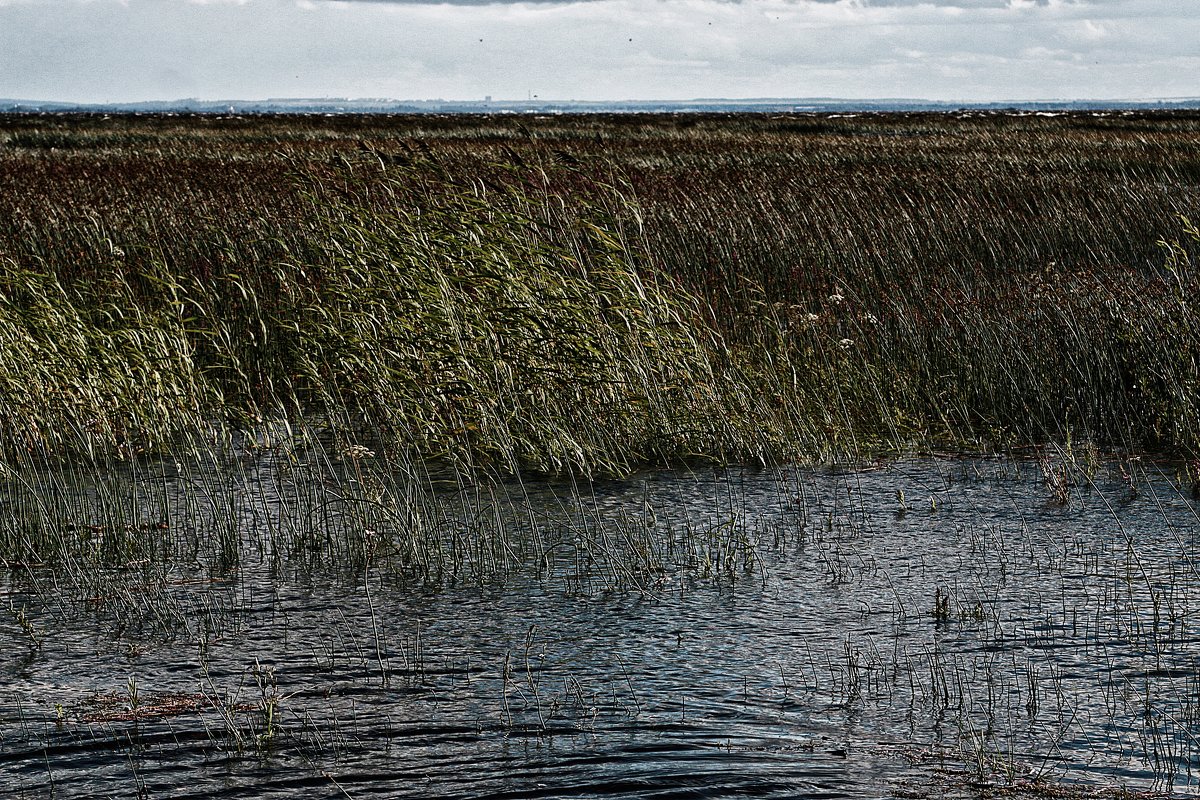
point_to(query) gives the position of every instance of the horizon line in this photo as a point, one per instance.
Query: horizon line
(489, 100)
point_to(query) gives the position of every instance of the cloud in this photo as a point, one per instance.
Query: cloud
(596, 49)
(850, 4)
(461, 2)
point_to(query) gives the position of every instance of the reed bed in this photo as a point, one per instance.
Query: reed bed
(595, 294)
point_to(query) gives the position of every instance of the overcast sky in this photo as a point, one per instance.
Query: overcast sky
(969, 50)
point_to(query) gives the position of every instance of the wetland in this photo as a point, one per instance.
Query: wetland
(624, 456)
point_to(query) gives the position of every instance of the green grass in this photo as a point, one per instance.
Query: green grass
(598, 294)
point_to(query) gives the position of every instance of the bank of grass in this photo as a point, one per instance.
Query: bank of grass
(601, 294)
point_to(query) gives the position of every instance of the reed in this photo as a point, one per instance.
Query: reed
(595, 294)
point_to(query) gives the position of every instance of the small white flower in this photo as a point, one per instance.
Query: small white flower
(836, 298)
(846, 344)
(812, 317)
(871, 318)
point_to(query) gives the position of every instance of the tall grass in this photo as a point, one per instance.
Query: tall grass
(595, 294)
(482, 326)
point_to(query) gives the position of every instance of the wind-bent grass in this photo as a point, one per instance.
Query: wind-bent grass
(462, 323)
(498, 328)
(597, 294)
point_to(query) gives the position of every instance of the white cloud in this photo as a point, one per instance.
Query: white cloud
(1094, 31)
(596, 49)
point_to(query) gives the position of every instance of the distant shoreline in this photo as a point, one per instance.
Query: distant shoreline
(538, 106)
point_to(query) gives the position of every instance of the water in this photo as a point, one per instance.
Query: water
(924, 627)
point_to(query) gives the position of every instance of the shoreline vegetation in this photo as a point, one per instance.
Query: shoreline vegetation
(593, 295)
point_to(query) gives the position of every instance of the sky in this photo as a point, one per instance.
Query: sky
(952, 50)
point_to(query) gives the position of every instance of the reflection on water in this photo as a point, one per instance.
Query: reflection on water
(922, 627)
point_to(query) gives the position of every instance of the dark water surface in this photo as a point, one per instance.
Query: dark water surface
(769, 633)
